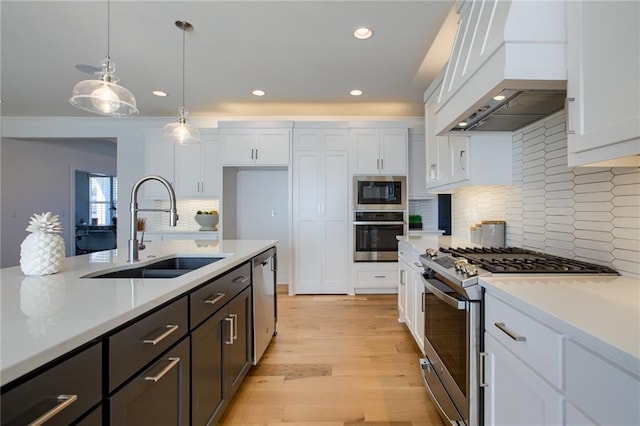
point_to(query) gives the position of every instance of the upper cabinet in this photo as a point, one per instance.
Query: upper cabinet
(455, 161)
(417, 160)
(379, 151)
(193, 170)
(603, 89)
(256, 143)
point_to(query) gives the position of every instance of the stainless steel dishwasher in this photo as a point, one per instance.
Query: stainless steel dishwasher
(264, 301)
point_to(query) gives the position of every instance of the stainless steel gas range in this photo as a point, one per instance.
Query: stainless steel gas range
(453, 318)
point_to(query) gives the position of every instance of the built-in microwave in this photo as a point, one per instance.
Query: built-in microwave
(379, 192)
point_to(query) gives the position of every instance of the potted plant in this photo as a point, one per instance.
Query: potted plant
(415, 221)
(208, 220)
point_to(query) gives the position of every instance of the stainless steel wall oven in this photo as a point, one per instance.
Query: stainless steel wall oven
(375, 235)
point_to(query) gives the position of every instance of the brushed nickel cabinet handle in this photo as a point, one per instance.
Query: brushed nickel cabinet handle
(213, 300)
(569, 131)
(515, 336)
(169, 329)
(230, 339)
(256, 153)
(164, 371)
(483, 358)
(63, 402)
(241, 279)
(234, 317)
(382, 164)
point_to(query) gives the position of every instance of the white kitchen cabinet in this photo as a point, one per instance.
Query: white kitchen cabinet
(198, 168)
(374, 277)
(417, 167)
(321, 211)
(522, 368)
(193, 170)
(411, 291)
(603, 88)
(159, 155)
(254, 146)
(379, 151)
(515, 394)
(598, 391)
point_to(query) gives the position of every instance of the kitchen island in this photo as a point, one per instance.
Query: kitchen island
(46, 319)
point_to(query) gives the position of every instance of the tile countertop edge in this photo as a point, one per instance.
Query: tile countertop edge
(17, 361)
(575, 329)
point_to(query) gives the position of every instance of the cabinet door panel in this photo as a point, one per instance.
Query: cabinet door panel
(159, 156)
(459, 146)
(188, 170)
(208, 397)
(308, 250)
(238, 147)
(393, 152)
(366, 152)
(515, 395)
(308, 186)
(238, 350)
(336, 257)
(159, 396)
(272, 147)
(335, 189)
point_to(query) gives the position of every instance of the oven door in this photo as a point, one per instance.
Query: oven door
(376, 241)
(451, 339)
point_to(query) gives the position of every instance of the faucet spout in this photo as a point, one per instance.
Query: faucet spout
(133, 225)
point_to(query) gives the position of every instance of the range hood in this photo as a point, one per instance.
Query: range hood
(513, 109)
(507, 66)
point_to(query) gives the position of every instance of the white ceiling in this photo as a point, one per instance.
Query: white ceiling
(302, 53)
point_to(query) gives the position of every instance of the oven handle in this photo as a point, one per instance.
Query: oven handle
(451, 301)
(379, 223)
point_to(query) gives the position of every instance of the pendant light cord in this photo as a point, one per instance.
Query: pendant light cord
(109, 30)
(183, 61)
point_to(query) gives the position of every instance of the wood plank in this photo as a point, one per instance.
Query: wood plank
(337, 360)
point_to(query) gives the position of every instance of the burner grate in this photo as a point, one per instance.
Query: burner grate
(518, 260)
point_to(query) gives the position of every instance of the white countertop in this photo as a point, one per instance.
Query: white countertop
(44, 317)
(421, 242)
(600, 312)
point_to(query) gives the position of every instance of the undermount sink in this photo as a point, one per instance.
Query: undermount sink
(166, 268)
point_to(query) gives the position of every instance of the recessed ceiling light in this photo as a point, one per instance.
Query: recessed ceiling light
(356, 92)
(160, 93)
(258, 92)
(362, 33)
(499, 97)
(462, 124)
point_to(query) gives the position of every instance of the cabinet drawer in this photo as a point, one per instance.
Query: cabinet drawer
(382, 276)
(133, 347)
(604, 392)
(535, 344)
(214, 295)
(75, 383)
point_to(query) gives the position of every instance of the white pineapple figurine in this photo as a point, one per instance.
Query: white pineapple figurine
(42, 252)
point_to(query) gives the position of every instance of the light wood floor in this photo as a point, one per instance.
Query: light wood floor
(337, 360)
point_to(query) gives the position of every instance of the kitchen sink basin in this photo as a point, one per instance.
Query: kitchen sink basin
(167, 268)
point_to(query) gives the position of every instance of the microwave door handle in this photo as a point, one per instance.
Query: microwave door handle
(377, 223)
(451, 301)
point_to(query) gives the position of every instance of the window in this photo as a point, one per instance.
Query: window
(103, 198)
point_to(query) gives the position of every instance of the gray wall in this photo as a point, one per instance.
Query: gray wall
(586, 213)
(38, 175)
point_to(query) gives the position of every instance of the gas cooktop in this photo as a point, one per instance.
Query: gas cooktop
(517, 260)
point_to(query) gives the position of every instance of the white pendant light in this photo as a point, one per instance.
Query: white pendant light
(103, 96)
(183, 132)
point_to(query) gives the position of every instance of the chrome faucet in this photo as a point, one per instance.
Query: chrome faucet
(133, 227)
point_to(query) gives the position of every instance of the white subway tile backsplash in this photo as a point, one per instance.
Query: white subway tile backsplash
(587, 213)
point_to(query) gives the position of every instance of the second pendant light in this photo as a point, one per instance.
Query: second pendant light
(183, 132)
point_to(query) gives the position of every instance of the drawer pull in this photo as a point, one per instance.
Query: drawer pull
(63, 402)
(169, 329)
(483, 359)
(213, 300)
(229, 319)
(510, 333)
(164, 371)
(241, 279)
(379, 276)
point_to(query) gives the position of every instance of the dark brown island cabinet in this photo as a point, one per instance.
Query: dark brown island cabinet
(179, 364)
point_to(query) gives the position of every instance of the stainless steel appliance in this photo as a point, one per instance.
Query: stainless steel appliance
(379, 192)
(453, 326)
(375, 235)
(264, 301)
